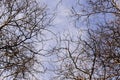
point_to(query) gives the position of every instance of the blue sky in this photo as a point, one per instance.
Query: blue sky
(62, 23)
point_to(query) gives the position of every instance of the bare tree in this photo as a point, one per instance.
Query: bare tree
(22, 23)
(104, 37)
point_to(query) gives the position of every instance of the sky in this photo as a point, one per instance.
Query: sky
(61, 24)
